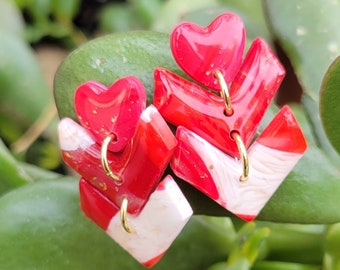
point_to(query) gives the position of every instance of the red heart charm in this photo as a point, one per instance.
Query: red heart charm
(114, 110)
(200, 52)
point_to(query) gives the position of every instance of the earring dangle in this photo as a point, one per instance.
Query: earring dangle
(121, 162)
(224, 125)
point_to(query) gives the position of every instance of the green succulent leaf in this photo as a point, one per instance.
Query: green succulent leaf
(23, 90)
(173, 11)
(11, 20)
(311, 45)
(332, 247)
(248, 244)
(117, 17)
(12, 175)
(42, 227)
(108, 58)
(147, 10)
(268, 265)
(329, 104)
(305, 39)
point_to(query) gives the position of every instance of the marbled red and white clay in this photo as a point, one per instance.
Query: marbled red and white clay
(271, 158)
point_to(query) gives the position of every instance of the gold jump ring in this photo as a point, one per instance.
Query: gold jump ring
(243, 153)
(103, 158)
(123, 215)
(224, 92)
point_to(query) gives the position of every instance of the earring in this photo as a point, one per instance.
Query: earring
(215, 131)
(121, 173)
(221, 177)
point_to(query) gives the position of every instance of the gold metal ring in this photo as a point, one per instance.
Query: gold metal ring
(104, 161)
(123, 215)
(224, 92)
(243, 153)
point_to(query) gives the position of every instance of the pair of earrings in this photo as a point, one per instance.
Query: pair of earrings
(122, 148)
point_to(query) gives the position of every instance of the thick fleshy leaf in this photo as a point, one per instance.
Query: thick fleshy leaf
(109, 58)
(23, 90)
(173, 10)
(47, 215)
(12, 175)
(315, 43)
(329, 104)
(311, 45)
(11, 20)
(332, 259)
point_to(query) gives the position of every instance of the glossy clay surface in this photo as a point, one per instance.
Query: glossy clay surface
(184, 103)
(271, 157)
(140, 165)
(200, 51)
(111, 110)
(154, 229)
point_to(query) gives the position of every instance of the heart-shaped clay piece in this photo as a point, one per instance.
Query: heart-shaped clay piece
(200, 52)
(111, 111)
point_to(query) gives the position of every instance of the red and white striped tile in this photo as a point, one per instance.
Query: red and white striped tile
(271, 157)
(140, 165)
(153, 229)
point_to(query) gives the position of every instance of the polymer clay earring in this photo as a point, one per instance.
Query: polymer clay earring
(121, 152)
(215, 131)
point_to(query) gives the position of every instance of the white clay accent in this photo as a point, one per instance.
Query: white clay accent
(147, 113)
(156, 227)
(73, 136)
(267, 169)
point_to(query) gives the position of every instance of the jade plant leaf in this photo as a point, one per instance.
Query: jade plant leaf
(42, 227)
(12, 175)
(332, 245)
(23, 90)
(315, 43)
(329, 104)
(108, 58)
(311, 45)
(11, 19)
(174, 10)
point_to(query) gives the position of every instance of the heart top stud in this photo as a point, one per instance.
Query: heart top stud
(113, 111)
(201, 52)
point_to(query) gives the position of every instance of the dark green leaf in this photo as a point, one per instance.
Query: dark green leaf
(309, 34)
(147, 10)
(294, 242)
(65, 9)
(42, 227)
(248, 244)
(23, 90)
(117, 17)
(12, 175)
(267, 265)
(311, 45)
(332, 247)
(111, 57)
(329, 104)
(173, 11)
